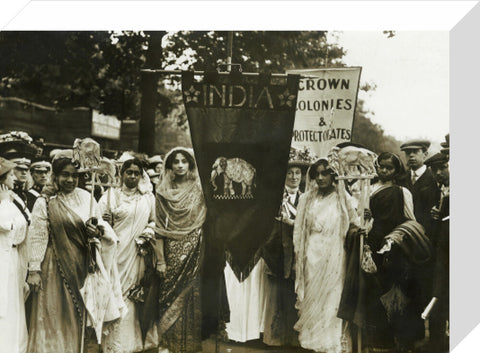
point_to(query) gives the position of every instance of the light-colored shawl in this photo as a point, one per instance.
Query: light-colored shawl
(179, 211)
(301, 230)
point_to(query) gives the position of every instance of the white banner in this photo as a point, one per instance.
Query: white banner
(106, 126)
(325, 108)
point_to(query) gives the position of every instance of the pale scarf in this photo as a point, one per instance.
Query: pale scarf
(301, 229)
(179, 211)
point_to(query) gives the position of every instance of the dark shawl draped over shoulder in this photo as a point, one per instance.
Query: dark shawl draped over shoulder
(388, 212)
(69, 240)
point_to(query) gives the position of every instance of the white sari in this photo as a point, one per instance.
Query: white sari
(133, 214)
(320, 228)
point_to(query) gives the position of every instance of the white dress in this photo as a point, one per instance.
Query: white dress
(13, 328)
(320, 267)
(247, 301)
(133, 214)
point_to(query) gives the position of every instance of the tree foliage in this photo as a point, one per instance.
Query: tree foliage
(371, 135)
(102, 70)
(266, 51)
(99, 70)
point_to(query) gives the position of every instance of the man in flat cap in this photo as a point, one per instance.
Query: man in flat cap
(420, 181)
(440, 214)
(21, 172)
(40, 171)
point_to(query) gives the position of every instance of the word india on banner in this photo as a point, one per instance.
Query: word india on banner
(241, 128)
(325, 108)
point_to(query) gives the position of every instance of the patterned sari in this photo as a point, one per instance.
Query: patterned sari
(59, 247)
(180, 214)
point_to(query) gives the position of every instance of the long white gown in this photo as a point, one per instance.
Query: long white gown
(247, 301)
(320, 268)
(132, 215)
(13, 328)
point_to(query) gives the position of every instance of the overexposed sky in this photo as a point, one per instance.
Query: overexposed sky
(411, 72)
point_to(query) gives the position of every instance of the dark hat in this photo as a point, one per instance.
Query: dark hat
(15, 143)
(415, 144)
(40, 164)
(446, 145)
(6, 165)
(438, 158)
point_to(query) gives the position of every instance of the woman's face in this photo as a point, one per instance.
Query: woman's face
(180, 164)
(294, 177)
(67, 179)
(324, 179)
(386, 170)
(9, 180)
(131, 176)
(159, 168)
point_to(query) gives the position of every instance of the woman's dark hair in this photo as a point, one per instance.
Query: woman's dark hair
(128, 163)
(312, 172)
(59, 164)
(171, 157)
(397, 163)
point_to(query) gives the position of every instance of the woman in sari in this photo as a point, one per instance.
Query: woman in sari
(13, 228)
(396, 244)
(131, 212)
(180, 214)
(325, 214)
(72, 267)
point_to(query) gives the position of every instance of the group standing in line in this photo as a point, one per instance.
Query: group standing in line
(124, 274)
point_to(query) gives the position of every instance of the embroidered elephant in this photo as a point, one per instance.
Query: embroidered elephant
(233, 169)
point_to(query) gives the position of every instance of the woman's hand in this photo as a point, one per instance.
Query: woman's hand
(108, 217)
(34, 281)
(435, 213)
(367, 214)
(4, 192)
(92, 227)
(361, 232)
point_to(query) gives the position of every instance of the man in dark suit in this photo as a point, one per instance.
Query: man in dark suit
(421, 181)
(441, 232)
(426, 194)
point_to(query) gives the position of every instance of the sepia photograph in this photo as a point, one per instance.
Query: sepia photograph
(224, 191)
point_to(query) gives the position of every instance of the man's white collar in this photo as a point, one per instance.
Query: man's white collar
(419, 172)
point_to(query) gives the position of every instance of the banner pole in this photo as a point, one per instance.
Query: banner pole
(229, 51)
(221, 73)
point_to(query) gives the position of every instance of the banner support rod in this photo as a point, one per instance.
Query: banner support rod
(201, 73)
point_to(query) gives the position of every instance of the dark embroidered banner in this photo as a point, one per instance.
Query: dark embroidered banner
(241, 128)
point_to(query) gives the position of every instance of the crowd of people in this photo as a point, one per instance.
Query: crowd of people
(121, 271)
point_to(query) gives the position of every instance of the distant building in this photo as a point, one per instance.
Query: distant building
(59, 128)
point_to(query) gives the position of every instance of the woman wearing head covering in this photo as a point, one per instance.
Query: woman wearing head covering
(72, 267)
(280, 313)
(131, 212)
(13, 228)
(180, 214)
(325, 214)
(396, 244)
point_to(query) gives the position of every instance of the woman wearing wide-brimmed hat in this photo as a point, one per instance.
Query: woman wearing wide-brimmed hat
(280, 312)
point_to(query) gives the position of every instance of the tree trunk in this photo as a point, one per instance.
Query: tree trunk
(149, 82)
